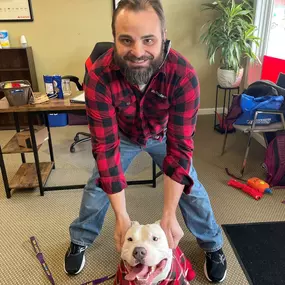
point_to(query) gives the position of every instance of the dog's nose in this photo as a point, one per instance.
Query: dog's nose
(139, 253)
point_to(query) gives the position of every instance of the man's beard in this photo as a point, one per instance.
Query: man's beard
(138, 75)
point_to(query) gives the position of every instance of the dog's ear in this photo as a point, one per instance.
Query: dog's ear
(135, 223)
(157, 222)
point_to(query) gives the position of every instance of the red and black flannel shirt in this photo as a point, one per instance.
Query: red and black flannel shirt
(168, 105)
(181, 271)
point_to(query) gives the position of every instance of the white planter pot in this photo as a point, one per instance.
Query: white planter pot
(228, 78)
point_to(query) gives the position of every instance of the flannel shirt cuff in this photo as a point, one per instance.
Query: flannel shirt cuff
(113, 184)
(176, 172)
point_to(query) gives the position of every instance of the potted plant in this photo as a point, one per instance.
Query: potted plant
(231, 34)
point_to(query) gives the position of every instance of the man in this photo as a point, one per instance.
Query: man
(143, 95)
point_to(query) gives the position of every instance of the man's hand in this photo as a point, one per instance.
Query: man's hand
(172, 230)
(169, 223)
(123, 223)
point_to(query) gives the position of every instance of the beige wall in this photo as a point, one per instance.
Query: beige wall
(64, 32)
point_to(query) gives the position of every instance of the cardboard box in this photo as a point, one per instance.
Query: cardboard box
(24, 137)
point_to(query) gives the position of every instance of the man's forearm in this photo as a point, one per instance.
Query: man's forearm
(118, 202)
(172, 194)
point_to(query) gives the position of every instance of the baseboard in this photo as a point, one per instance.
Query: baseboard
(211, 111)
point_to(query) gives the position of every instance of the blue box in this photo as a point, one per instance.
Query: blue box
(57, 120)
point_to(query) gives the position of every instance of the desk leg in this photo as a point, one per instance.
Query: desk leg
(35, 151)
(49, 140)
(17, 125)
(4, 175)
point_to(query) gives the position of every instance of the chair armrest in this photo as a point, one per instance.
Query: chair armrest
(268, 111)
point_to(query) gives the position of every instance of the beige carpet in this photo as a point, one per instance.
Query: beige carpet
(48, 217)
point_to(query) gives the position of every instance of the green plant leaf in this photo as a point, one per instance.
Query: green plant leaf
(232, 33)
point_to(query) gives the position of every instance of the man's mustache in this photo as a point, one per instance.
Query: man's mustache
(136, 59)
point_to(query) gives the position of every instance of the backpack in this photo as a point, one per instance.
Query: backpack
(263, 88)
(275, 160)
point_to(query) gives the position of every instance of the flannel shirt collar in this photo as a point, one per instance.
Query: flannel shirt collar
(162, 68)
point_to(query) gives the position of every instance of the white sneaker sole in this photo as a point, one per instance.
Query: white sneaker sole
(80, 269)
(206, 274)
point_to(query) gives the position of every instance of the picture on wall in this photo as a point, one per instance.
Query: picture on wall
(115, 3)
(20, 10)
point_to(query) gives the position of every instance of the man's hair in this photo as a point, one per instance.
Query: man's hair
(139, 5)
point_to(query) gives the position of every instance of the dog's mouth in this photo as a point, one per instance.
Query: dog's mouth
(144, 274)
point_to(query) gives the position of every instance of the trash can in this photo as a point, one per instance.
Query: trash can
(57, 120)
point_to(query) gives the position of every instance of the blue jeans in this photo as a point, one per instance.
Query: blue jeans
(195, 207)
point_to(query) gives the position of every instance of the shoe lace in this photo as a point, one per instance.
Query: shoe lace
(216, 258)
(74, 248)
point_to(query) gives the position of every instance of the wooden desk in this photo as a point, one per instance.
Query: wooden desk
(52, 105)
(31, 175)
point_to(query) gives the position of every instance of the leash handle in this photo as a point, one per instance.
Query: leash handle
(233, 176)
(99, 280)
(41, 259)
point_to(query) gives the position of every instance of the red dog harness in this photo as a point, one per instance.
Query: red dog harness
(181, 271)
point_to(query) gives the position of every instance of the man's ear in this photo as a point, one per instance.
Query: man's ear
(135, 223)
(164, 35)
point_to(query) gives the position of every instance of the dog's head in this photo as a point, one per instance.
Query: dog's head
(146, 254)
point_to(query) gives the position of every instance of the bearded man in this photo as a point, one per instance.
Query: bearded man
(142, 95)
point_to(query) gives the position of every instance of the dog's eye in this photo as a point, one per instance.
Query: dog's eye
(130, 239)
(155, 238)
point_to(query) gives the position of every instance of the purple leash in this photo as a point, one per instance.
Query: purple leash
(99, 280)
(40, 257)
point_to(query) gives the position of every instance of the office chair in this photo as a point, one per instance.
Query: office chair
(253, 128)
(85, 136)
(99, 49)
(268, 131)
(281, 80)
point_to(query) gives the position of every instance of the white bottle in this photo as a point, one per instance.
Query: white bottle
(23, 41)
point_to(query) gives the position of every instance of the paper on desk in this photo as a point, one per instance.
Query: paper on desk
(78, 99)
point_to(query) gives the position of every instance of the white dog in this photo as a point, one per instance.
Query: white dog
(147, 259)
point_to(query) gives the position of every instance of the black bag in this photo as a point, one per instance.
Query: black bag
(264, 87)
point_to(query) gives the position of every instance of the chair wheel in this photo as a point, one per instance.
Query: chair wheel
(76, 138)
(72, 149)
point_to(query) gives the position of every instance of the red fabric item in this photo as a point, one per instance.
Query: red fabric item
(271, 68)
(170, 101)
(181, 271)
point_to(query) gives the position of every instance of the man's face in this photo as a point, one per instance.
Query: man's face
(139, 47)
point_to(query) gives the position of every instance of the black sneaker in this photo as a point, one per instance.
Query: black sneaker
(215, 267)
(74, 259)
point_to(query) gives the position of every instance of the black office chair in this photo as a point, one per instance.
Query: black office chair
(281, 80)
(99, 49)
